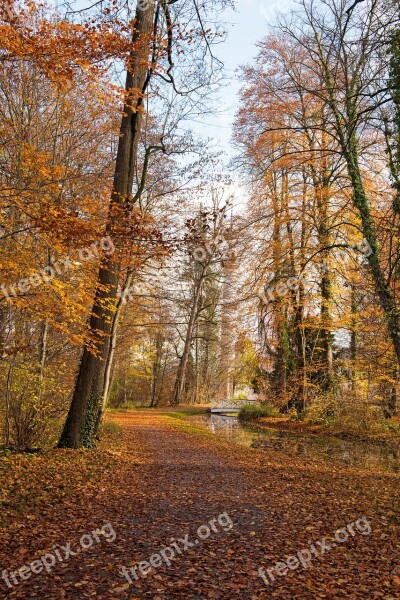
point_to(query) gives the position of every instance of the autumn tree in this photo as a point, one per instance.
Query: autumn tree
(317, 133)
(205, 247)
(344, 44)
(152, 53)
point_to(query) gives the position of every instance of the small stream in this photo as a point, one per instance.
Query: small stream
(366, 455)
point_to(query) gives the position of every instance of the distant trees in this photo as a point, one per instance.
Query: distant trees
(348, 50)
(205, 249)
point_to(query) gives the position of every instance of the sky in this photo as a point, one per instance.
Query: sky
(247, 25)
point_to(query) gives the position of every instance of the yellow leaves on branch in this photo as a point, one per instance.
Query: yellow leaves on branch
(59, 48)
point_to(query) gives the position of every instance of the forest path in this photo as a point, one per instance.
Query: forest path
(167, 482)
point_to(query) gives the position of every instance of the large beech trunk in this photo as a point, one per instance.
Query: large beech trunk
(383, 291)
(80, 427)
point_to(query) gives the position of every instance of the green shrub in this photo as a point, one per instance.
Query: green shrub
(395, 427)
(240, 396)
(251, 412)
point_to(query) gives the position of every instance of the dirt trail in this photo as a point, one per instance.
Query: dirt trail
(165, 482)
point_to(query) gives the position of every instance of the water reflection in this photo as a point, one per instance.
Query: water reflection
(350, 452)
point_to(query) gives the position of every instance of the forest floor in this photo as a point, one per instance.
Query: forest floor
(208, 512)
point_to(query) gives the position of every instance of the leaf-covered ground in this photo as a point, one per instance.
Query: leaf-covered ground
(159, 481)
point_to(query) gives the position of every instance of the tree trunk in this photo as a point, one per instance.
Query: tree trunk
(156, 368)
(80, 427)
(196, 367)
(299, 313)
(384, 293)
(44, 329)
(321, 177)
(111, 350)
(8, 404)
(390, 409)
(181, 374)
(353, 337)
(327, 350)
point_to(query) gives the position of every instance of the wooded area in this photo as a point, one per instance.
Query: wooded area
(199, 334)
(131, 276)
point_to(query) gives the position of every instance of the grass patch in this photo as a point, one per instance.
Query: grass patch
(252, 412)
(177, 422)
(181, 414)
(393, 426)
(126, 407)
(111, 429)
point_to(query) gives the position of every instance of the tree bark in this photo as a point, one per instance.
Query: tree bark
(80, 426)
(353, 337)
(390, 410)
(347, 138)
(111, 351)
(156, 367)
(383, 291)
(181, 373)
